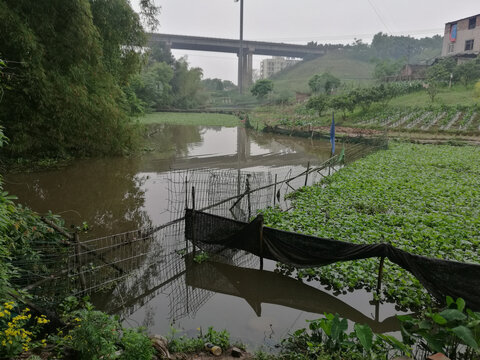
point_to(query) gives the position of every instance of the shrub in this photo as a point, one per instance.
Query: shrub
(136, 345)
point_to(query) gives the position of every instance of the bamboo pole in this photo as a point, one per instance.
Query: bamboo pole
(248, 199)
(306, 173)
(380, 273)
(193, 220)
(260, 217)
(275, 191)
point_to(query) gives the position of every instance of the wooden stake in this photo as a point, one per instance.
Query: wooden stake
(275, 191)
(248, 199)
(260, 235)
(76, 240)
(306, 173)
(380, 272)
(193, 220)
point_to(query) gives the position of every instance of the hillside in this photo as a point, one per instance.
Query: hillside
(341, 65)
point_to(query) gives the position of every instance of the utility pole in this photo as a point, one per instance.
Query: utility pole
(240, 51)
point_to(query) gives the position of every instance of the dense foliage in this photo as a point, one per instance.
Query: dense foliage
(261, 88)
(166, 83)
(422, 199)
(454, 331)
(323, 82)
(68, 65)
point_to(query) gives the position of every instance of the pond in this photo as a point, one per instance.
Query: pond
(167, 288)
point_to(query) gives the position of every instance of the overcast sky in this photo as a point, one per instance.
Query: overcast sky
(301, 21)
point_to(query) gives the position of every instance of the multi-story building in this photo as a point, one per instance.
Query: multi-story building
(268, 67)
(462, 37)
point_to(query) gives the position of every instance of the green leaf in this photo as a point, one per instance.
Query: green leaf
(395, 343)
(440, 320)
(338, 327)
(449, 301)
(364, 335)
(453, 315)
(460, 304)
(434, 343)
(466, 336)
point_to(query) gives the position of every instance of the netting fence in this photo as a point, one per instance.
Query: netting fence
(126, 270)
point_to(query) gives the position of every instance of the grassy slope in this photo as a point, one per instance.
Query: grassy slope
(347, 69)
(205, 119)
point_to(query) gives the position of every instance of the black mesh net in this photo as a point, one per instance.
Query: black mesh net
(439, 277)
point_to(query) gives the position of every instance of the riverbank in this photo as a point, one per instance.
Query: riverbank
(188, 118)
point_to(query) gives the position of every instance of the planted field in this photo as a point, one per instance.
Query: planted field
(421, 119)
(424, 199)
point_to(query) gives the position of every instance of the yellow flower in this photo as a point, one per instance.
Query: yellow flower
(77, 319)
(2, 314)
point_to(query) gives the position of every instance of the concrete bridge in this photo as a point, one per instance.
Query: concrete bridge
(250, 48)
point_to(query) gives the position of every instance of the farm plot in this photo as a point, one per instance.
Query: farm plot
(424, 199)
(422, 119)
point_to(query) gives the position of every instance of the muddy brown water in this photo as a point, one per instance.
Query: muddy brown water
(114, 195)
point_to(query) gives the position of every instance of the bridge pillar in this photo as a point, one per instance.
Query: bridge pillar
(245, 71)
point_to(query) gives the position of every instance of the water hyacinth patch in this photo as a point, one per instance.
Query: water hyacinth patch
(420, 198)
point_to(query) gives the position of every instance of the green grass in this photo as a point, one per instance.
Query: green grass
(457, 95)
(420, 198)
(204, 119)
(348, 70)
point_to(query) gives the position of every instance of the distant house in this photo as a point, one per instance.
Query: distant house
(413, 72)
(301, 97)
(409, 72)
(462, 38)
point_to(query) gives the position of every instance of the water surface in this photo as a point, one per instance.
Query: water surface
(115, 195)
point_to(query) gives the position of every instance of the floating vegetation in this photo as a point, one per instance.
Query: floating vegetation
(423, 199)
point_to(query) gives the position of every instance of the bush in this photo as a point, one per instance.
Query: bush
(136, 345)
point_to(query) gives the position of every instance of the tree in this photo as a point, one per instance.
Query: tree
(186, 86)
(69, 76)
(432, 88)
(386, 68)
(441, 71)
(326, 82)
(318, 102)
(344, 103)
(261, 88)
(467, 72)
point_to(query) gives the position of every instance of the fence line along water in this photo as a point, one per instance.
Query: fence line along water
(111, 262)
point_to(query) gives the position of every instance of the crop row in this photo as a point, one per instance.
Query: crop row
(423, 120)
(421, 198)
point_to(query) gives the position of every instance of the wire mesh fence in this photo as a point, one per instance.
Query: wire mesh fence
(126, 270)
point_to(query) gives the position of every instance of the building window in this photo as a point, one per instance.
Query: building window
(451, 48)
(469, 45)
(472, 22)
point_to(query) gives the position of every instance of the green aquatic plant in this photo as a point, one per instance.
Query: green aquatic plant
(420, 198)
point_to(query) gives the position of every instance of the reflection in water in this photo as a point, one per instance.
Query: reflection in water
(155, 285)
(171, 286)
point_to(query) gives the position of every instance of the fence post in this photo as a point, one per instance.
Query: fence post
(306, 173)
(275, 191)
(380, 272)
(193, 220)
(248, 198)
(260, 235)
(78, 258)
